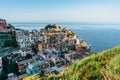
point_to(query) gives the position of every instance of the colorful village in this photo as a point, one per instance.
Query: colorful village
(46, 51)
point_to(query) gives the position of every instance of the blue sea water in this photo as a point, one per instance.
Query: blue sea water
(100, 37)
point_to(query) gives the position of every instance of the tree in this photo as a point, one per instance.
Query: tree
(28, 56)
(42, 73)
(10, 43)
(34, 48)
(5, 63)
(13, 68)
(50, 26)
(10, 26)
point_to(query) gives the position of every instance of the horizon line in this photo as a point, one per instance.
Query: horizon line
(86, 23)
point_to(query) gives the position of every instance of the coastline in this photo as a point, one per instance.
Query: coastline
(92, 35)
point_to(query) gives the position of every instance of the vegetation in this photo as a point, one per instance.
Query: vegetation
(7, 40)
(28, 56)
(8, 67)
(102, 66)
(113, 69)
(34, 49)
(10, 43)
(10, 26)
(50, 26)
(13, 68)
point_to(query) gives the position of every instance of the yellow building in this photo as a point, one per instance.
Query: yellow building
(58, 28)
(40, 47)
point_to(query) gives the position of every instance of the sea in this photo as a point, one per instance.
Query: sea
(101, 37)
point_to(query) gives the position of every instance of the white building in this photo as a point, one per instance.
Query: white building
(26, 51)
(22, 37)
(77, 41)
(34, 36)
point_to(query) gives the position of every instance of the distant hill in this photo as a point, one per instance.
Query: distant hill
(101, 66)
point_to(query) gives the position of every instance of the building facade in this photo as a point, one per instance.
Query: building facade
(22, 37)
(3, 26)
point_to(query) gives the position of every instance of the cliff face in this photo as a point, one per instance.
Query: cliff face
(101, 66)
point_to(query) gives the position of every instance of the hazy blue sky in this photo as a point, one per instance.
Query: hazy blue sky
(92, 11)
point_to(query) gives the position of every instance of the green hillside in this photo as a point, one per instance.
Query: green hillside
(101, 66)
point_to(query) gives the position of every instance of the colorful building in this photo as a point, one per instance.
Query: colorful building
(22, 37)
(0, 67)
(3, 26)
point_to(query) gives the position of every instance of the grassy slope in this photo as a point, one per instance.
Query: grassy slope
(95, 67)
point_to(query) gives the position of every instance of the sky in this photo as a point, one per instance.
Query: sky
(81, 11)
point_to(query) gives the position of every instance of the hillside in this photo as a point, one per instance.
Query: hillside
(102, 66)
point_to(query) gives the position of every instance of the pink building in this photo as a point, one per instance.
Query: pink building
(3, 26)
(0, 64)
